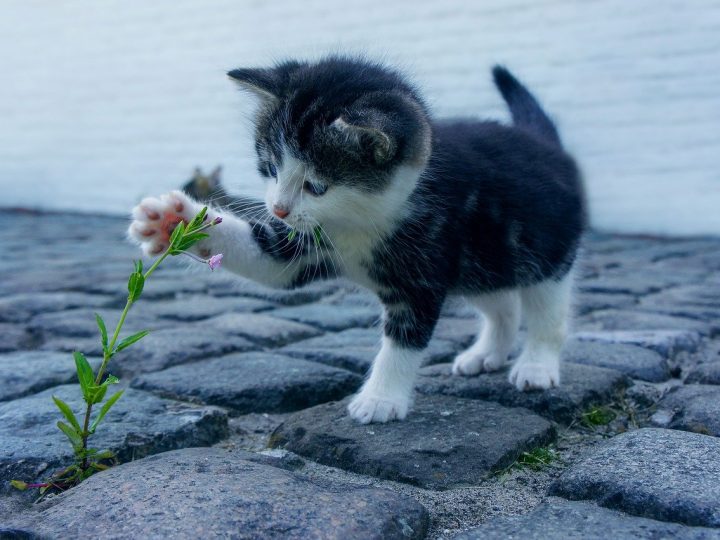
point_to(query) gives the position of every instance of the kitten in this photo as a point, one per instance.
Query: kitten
(412, 208)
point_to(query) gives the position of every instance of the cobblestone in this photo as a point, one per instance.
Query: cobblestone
(225, 356)
(252, 382)
(462, 442)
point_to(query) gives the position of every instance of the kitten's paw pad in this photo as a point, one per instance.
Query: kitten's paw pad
(534, 376)
(154, 220)
(367, 409)
(469, 363)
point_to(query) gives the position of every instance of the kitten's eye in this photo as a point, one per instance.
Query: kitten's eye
(314, 189)
(272, 170)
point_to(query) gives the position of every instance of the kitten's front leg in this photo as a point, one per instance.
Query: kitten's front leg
(388, 391)
(257, 251)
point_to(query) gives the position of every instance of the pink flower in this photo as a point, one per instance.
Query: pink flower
(215, 261)
(217, 220)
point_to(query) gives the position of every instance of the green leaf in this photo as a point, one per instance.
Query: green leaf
(104, 410)
(97, 393)
(291, 235)
(135, 286)
(139, 266)
(111, 379)
(189, 240)
(71, 434)
(19, 484)
(84, 373)
(317, 233)
(125, 343)
(197, 221)
(177, 234)
(103, 331)
(67, 412)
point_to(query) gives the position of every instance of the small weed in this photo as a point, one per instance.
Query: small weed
(598, 416)
(93, 386)
(536, 459)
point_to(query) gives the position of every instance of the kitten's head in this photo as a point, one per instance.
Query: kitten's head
(341, 141)
(204, 187)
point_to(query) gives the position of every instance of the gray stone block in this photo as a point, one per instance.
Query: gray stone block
(27, 372)
(708, 373)
(634, 361)
(22, 307)
(665, 342)
(571, 520)
(81, 322)
(197, 307)
(264, 330)
(330, 317)
(138, 425)
(692, 407)
(252, 382)
(639, 320)
(655, 473)
(14, 337)
(175, 346)
(213, 493)
(444, 442)
(355, 349)
(580, 387)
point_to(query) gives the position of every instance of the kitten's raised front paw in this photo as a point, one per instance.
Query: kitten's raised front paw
(367, 408)
(154, 220)
(471, 363)
(535, 375)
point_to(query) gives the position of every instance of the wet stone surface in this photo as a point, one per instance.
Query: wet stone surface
(231, 366)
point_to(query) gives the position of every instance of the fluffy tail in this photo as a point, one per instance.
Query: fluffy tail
(525, 109)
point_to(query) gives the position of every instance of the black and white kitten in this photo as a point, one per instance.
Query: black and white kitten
(412, 208)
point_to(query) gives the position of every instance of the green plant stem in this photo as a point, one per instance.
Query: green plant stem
(108, 354)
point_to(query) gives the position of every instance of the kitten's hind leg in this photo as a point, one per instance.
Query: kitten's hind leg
(546, 308)
(501, 320)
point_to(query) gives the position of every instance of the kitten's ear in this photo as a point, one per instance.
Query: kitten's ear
(374, 140)
(261, 82)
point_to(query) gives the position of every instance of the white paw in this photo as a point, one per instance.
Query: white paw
(535, 375)
(367, 408)
(470, 362)
(154, 220)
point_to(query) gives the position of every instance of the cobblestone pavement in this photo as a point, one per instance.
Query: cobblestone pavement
(234, 422)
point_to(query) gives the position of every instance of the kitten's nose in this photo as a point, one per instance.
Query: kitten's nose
(280, 211)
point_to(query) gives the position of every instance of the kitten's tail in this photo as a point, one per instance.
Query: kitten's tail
(525, 109)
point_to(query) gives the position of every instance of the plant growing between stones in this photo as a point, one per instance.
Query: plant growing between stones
(536, 459)
(94, 386)
(598, 416)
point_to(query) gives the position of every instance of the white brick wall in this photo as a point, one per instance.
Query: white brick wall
(102, 102)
